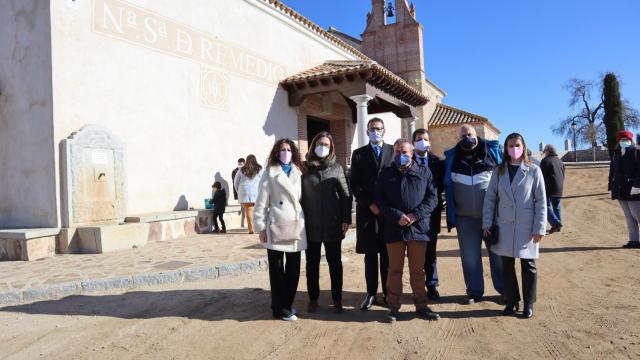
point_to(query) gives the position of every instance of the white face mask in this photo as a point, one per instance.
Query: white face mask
(423, 145)
(240, 165)
(322, 151)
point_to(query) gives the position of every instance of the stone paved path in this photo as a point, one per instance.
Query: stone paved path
(157, 262)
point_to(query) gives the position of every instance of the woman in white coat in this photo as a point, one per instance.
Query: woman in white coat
(517, 204)
(279, 219)
(246, 184)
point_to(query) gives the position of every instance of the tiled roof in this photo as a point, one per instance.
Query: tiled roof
(278, 5)
(379, 76)
(448, 115)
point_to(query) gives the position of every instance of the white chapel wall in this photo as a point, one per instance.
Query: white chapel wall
(187, 86)
(27, 186)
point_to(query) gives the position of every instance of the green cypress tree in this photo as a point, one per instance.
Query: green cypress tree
(613, 110)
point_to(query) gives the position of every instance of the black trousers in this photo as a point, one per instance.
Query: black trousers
(371, 268)
(529, 280)
(431, 264)
(333, 253)
(283, 278)
(217, 216)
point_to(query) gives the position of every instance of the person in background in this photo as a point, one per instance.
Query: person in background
(219, 201)
(246, 181)
(366, 164)
(531, 158)
(241, 162)
(468, 169)
(553, 171)
(517, 204)
(423, 157)
(624, 183)
(406, 197)
(279, 219)
(326, 201)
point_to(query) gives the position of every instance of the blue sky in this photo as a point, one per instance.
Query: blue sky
(509, 59)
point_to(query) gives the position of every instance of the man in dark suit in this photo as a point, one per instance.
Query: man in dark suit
(366, 164)
(241, 162)
(422, 143)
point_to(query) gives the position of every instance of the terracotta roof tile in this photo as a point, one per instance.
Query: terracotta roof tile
(448, 115)
(343, 67)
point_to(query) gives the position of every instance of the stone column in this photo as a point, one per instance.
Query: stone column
(410, 123)
(363, 117)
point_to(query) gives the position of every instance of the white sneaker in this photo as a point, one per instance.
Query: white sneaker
(288, 315)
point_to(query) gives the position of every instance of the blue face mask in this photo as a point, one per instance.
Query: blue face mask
(625, 144)
(402, 159)
(375, 136)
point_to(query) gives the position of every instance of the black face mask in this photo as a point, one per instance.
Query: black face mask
(468, 143)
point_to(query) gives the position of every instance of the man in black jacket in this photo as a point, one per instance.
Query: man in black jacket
(553, 171)
(366, 164)
(422, 144)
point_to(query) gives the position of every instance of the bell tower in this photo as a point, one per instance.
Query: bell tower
(398, 46)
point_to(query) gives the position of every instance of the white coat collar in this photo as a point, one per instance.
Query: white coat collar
(287, 182)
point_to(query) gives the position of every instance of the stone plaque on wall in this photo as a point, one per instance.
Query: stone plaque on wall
(92, 177)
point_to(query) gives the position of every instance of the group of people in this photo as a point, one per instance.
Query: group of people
(491, 194)
(399, 190)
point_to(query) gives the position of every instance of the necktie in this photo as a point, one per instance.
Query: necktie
(422, 161)
(378, 152)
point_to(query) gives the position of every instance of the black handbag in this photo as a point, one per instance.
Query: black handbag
(493, 237)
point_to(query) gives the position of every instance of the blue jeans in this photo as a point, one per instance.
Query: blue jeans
(470, 241)
(553, 211)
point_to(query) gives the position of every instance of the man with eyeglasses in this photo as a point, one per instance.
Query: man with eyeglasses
(366, 164)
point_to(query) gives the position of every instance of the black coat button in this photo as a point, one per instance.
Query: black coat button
(280, 202)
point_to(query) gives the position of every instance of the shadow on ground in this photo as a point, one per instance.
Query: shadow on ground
(248, 304)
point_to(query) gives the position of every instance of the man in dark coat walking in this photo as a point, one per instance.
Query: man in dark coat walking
(406, 197)
(422, 144)
(366, 164)
(553, 171)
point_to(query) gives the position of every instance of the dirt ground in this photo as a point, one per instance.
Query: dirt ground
(588, 308)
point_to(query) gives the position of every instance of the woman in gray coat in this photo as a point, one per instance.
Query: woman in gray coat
(517, 204)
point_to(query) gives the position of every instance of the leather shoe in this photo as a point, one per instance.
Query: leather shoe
(313, 306)
(527, 313)
(337, 307)
(384, 300)
(510, 309)
(632, 245)
(368, 302)
(428, 314)
(433, 294)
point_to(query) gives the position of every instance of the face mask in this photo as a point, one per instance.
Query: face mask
(515, 152)
(402, 160)
(240, 165)
(322, 151)
(423, 145)
(285, 157)
(375, 136)
(624, 144)
(468, 143)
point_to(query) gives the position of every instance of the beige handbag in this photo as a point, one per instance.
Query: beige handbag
(286, 231)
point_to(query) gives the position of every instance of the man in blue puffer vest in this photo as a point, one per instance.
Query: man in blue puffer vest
(468, 169)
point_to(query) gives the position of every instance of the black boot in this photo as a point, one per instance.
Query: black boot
(368, 302)
(510, 309)
(527, 313)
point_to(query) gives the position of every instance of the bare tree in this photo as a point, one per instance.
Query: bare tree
(589, 113)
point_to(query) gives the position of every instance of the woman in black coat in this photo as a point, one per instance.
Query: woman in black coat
(624, 183)
(326, 202)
